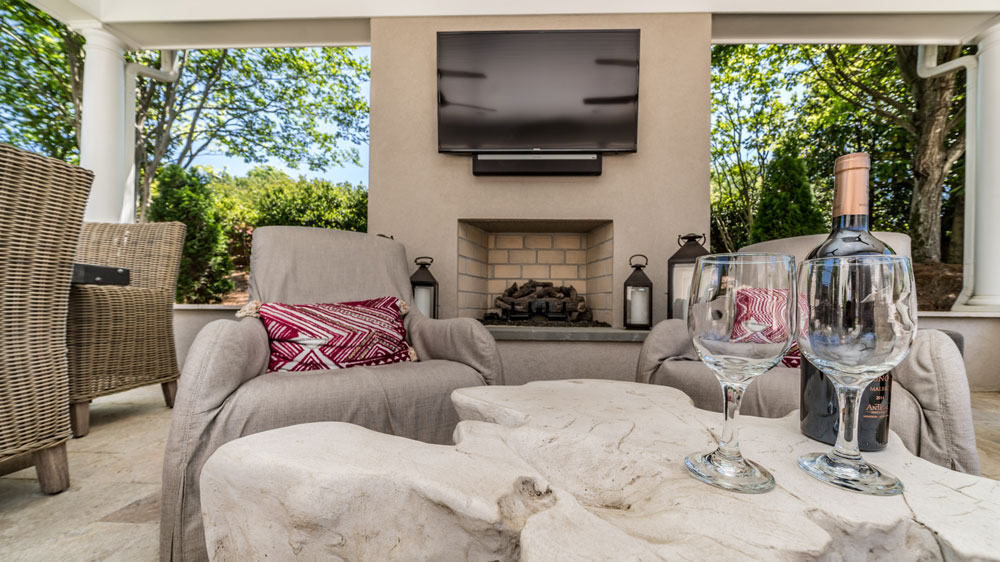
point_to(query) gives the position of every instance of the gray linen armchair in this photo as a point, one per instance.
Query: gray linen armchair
(930, 409)
(225, 392)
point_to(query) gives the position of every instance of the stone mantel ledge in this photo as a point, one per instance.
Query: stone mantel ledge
(573, 470)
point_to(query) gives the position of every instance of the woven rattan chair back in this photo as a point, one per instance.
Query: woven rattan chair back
(122, 337)
(41, 212)
(151, 251)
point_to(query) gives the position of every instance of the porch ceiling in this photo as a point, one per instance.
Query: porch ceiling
(247, 23)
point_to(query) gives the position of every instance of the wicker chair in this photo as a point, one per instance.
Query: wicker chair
(122, 337)
(41, 210)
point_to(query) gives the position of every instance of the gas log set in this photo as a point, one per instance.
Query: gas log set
(540, 302)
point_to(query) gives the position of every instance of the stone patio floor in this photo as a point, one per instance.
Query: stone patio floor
(112, 508)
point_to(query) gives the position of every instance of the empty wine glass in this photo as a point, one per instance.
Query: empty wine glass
(741, 324)
(858, 321)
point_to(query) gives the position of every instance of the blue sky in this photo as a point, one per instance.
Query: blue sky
(357, 175)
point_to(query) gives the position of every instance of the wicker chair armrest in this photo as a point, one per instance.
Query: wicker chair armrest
(667, 341)
(463, 340)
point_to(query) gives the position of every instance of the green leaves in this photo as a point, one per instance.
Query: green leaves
(268, 196)
(205, 263)
(41, 70)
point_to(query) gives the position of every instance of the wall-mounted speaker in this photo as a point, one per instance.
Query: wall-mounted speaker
(536, 164)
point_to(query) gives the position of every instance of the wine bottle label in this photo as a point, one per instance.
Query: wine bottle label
(850, 184)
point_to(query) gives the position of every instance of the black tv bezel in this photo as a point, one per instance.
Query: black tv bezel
(437, 103)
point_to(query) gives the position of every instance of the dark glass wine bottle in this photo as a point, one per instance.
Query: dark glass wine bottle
(819, 415)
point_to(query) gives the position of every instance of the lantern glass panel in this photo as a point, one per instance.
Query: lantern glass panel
(638, 305)
(680, 292)
(423, 298)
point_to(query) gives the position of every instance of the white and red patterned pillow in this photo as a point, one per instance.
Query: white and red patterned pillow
(309, 337)
(759, 306)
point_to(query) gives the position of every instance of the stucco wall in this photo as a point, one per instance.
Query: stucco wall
(651, 196)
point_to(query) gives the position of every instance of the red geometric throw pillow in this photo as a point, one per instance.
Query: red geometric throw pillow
(309, 337)
(755, 310)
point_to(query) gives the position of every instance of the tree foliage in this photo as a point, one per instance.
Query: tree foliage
(302, 106)
(751, 100)
(205, 263)
(41, 82)
(787, 207)
(297, 105)
(267, 196)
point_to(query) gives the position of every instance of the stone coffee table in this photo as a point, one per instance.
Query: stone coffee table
(573, 470)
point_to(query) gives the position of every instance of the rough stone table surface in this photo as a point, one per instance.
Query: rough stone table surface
(573, 470)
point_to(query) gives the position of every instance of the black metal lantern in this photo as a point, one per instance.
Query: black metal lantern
(425, 287)
(638, 297)
(680, 273)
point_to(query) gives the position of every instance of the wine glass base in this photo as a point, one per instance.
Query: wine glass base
(857, 476)
(728, 473)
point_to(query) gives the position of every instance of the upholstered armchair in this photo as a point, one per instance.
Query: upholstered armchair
(930, 409)
(122, 337)
(41, 211)
(225, 392)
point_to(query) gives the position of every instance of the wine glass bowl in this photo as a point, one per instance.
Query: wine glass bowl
(857, 322)
(741, 326)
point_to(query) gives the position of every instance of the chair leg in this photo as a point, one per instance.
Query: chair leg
(79, 418)
(52, 468)
(169, 392)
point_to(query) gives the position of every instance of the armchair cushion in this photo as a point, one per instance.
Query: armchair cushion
(310, 337)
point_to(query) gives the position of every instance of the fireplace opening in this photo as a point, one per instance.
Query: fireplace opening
(536, 272)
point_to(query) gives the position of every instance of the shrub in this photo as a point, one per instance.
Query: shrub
(205, 264)
(787, 207)
(267, 196)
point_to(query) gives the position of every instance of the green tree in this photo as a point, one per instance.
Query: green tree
(41, 81)
(301, 106)
(927, 114)
(205, 264)
(267, 196)
(751, 99)
(297, 105)
(787, 207)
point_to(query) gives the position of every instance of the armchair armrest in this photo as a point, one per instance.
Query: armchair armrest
(463, 340)
(224, 356)
(667, 341)
(934, 374)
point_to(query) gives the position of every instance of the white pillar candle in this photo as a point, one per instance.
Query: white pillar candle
(681, 291)
(423, 298)
(639, 305)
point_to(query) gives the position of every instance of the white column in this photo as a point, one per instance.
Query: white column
(102, 139)
(986, 291)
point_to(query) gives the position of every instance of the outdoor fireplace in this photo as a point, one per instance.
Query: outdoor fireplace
(536, 271)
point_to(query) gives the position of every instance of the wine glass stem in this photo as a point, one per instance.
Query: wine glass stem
(729, 444)
(850, 407)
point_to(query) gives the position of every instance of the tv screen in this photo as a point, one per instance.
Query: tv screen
(538, 91)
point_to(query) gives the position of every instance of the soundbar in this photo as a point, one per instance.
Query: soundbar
(536, 164)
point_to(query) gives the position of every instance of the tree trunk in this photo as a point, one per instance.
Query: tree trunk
(932, 158)
(956, 242)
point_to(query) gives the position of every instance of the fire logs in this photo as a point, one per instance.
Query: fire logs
(542, 297)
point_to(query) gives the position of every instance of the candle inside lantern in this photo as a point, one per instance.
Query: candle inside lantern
(639, 305)
(423, 298)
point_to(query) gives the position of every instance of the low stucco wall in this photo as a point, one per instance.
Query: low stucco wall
(536, 360)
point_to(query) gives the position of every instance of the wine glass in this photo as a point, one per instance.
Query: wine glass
(741, 324)
(858, 320)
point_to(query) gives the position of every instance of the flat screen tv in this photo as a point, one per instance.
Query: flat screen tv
(538, 91)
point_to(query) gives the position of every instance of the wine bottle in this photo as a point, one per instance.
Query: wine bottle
(819, 410)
